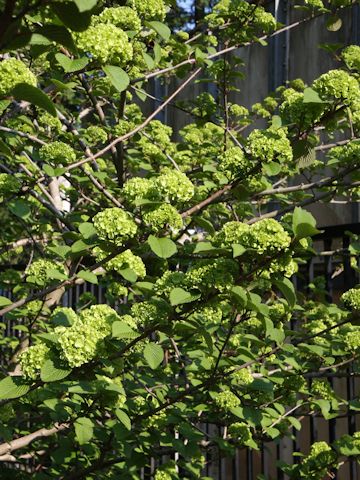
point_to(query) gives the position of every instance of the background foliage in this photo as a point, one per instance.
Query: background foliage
(194, 235)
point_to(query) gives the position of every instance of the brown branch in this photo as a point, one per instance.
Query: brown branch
(8, 447)
(140, 127)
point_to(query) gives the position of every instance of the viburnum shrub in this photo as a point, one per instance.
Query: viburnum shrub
(189, 239)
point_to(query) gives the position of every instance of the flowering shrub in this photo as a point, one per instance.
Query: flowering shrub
(146, 269)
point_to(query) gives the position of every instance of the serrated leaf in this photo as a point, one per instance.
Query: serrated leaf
(31, 94)
(52, 273)
(124, 418)
(311, 96)
(334, 23)
(303, 223)
(87, 230)
(20, 208)
(118, 77)
(58, 34)
(153, 354)
(5, 301)
(69, 65)
(160, 28)
(122, 330)
(53, 371)
(13, 387)
(238, 250)
(240, 294)
(84, 430)
(84, 5)
(179, 296)
(162, 247)
(70, 15)
(88, 276)
(287, 289)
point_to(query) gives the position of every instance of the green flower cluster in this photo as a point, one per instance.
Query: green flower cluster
(337, 85)
(266, 236)
(116, 290)
(234, 163)
(95, 135)
(241, 432)
(124, 260)
(163, 216)
(168, 281)
(162, 475)
(351, 57)
(149, 9)
(114, 225)
(125, 18)
(57, 152)
(13, 72)
(242, 377)
(49, 122)
(106, 43)
(320, 387)
(293, 110)
(208, 315)
(226, 400)
(138, 187)
(317, 463)
(352, 340)
(270, 145)
(38, 270)
(234, 11)
(174, 186)
(219, 273)
(347, 155)
(80, 343)
(150, 312)
(8, 184)
(32, 359)
(351, 299)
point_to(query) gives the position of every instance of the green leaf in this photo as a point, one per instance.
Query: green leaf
(53, 370)
(70, 15)
(287, 289)
(128, 274)
(272, 168)
(49, 170)
(84, 430)
(160, 28)
(52, 273)
(240, 295)
(124, 418)
(88, 276)
(150, 64)
(20, 208)
(153, 354)
(87, 230)
(84, 5)
(179, 296)
(118, 77)
(122, 330)
(71, 65)
(303, 223)
(162, 247)
(238, 250)
(58, 34)
(334, 23)
(24, 91)
(311, 96)
(5, 301)
(13, 387)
